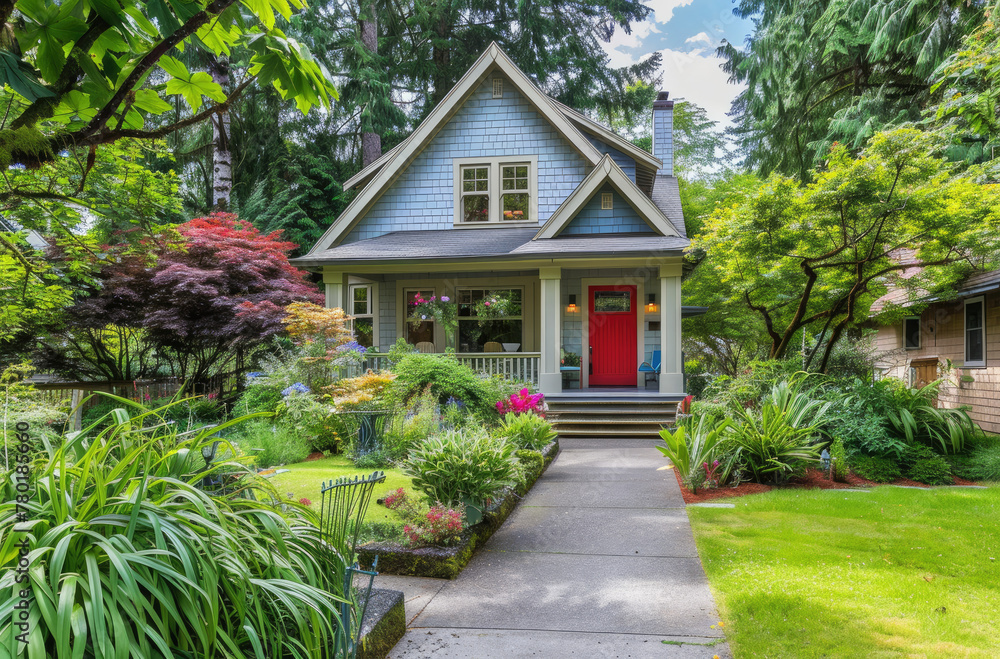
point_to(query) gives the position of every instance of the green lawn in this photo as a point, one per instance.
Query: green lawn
(304, 478)
(890, 573)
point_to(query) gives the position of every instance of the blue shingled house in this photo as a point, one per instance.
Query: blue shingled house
(505, 199)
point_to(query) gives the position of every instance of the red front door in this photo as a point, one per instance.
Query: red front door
(612, 336)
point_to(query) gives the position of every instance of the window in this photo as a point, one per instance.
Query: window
(362, 310)
(607, 201)
(911, 333)
(496, 190)
(424, 332)
(475, 194)
(975, 325)
(612, 301)
(490, 319)
(497, 87)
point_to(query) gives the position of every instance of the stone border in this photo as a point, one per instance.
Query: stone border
(384, 623)
(448, 562)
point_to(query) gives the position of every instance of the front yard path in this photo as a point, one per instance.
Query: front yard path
(598, 561)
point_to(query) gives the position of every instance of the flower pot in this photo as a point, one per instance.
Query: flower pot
(511, 347)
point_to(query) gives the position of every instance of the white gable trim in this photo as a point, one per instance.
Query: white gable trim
(607, 135)
(372, 167)
(493, 59)
(607, 171)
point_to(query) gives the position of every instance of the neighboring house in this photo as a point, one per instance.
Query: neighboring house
(965, 332)
(504, 193)
(33, 238)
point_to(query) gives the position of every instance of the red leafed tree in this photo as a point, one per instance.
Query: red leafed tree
(208, 300)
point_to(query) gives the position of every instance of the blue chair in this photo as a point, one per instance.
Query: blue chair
(651, 368)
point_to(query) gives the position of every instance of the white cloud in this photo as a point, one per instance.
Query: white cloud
(701, 36)
(664, 9)
(696, 77)
(621, 42)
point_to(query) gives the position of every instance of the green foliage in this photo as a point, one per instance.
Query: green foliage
(447, 378)
(925, 466)
(915, 417)
(259, 398)
(273, 444)
(981, 463)
(526, 431)
(750, 387)
(839, 456)
(777, 444)
(876, 468)
(859, 418)
(131, 535)
(311, 420)
(822, 275)
(456, 465)
(700, 440)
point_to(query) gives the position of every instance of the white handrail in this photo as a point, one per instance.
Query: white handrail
(522, 366)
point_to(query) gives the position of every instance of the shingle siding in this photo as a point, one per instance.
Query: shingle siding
(423, 195)
(627, 163)
(663, 138)
(591, 219)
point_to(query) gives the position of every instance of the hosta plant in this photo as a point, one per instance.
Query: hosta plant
(462, 466)
(526, 431)
(129, 557)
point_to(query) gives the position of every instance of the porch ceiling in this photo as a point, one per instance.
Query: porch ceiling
(489, 243)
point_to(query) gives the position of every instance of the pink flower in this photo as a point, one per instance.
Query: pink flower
(487, 304)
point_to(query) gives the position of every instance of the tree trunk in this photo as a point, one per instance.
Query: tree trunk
(371, 142)
(442, 59)
(222, 157)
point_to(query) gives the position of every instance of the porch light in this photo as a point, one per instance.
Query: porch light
(571, 307)
(651, 305)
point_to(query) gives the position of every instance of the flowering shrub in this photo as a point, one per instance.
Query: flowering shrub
(354, 391)
(711, 474)
(305, 502)
(298, 387)
(442, 310)
(684, 407)
(311, 323)
(395, 499)
(438, 526)
(522, 402)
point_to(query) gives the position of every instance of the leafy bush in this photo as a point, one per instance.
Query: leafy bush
(777, 444)
(530, 464)
(259, 398)
(311, 420)
(700, 440)
(914, 416)
(438, 526)
(981, 463)
(466, 465)
(923, 465)
(839, 458)
(131, 539)
(411, 426)
(528, 431)
(273, 444)
(876, 468)
(446, 377)
(373, 459)
(750, 387)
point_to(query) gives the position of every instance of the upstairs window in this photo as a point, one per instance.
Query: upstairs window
(911, 333)
(496, 191)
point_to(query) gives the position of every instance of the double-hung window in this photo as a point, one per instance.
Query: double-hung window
(975, 332)
(496, 191)
(490, 319)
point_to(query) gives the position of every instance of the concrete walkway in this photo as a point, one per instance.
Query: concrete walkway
(597, 561)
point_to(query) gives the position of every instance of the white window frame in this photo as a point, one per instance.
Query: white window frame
(979, 363)
(497, 87)
(495, 166)
(906, 334)
(372, 308)
(607, 201)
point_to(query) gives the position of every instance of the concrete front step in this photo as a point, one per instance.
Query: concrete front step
(607, 431)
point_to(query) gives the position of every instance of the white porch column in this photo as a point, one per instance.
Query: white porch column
(336, 289)
(671, 365)
(549, 377)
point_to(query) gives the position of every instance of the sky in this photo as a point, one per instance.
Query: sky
(687, 32)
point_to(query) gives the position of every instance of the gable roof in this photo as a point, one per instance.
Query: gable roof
(398, 159)
(607, 171)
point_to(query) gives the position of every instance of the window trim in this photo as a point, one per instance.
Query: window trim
(497, 86)
(495, 165)
(435, 326)
(468, 319)
(372, 308)
(906, 334)
(979, 363)
(607, 201)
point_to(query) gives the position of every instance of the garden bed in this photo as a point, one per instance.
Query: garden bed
(448, 562)
(813, 479)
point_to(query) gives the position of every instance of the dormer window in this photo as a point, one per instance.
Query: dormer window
(496, 191)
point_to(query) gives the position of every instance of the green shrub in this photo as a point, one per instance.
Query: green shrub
(777, 444)
(273, 444)
(376, 459)
(876, 468)
(132, 539)
(752, 386)
(466, 465)
(914, 417)
(700, 440)
(981, 463)
(447, 378)
(839, 457)
(923, 465)
(528, 431)
(530, 464)
(259, 398)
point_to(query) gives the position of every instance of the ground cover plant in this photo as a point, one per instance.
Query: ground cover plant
(826, 573)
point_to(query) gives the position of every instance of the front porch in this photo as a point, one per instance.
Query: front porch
(564, 329)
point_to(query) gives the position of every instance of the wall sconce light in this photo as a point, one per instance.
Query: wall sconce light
(651, 305)
(571, 307)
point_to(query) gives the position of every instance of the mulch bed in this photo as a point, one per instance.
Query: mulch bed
(813, 478)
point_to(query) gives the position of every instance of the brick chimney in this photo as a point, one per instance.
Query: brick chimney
(663, 133)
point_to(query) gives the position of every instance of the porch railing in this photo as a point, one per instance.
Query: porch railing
(522, 366)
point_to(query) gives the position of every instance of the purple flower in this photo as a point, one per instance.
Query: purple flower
(298, 387)
(445, 298)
